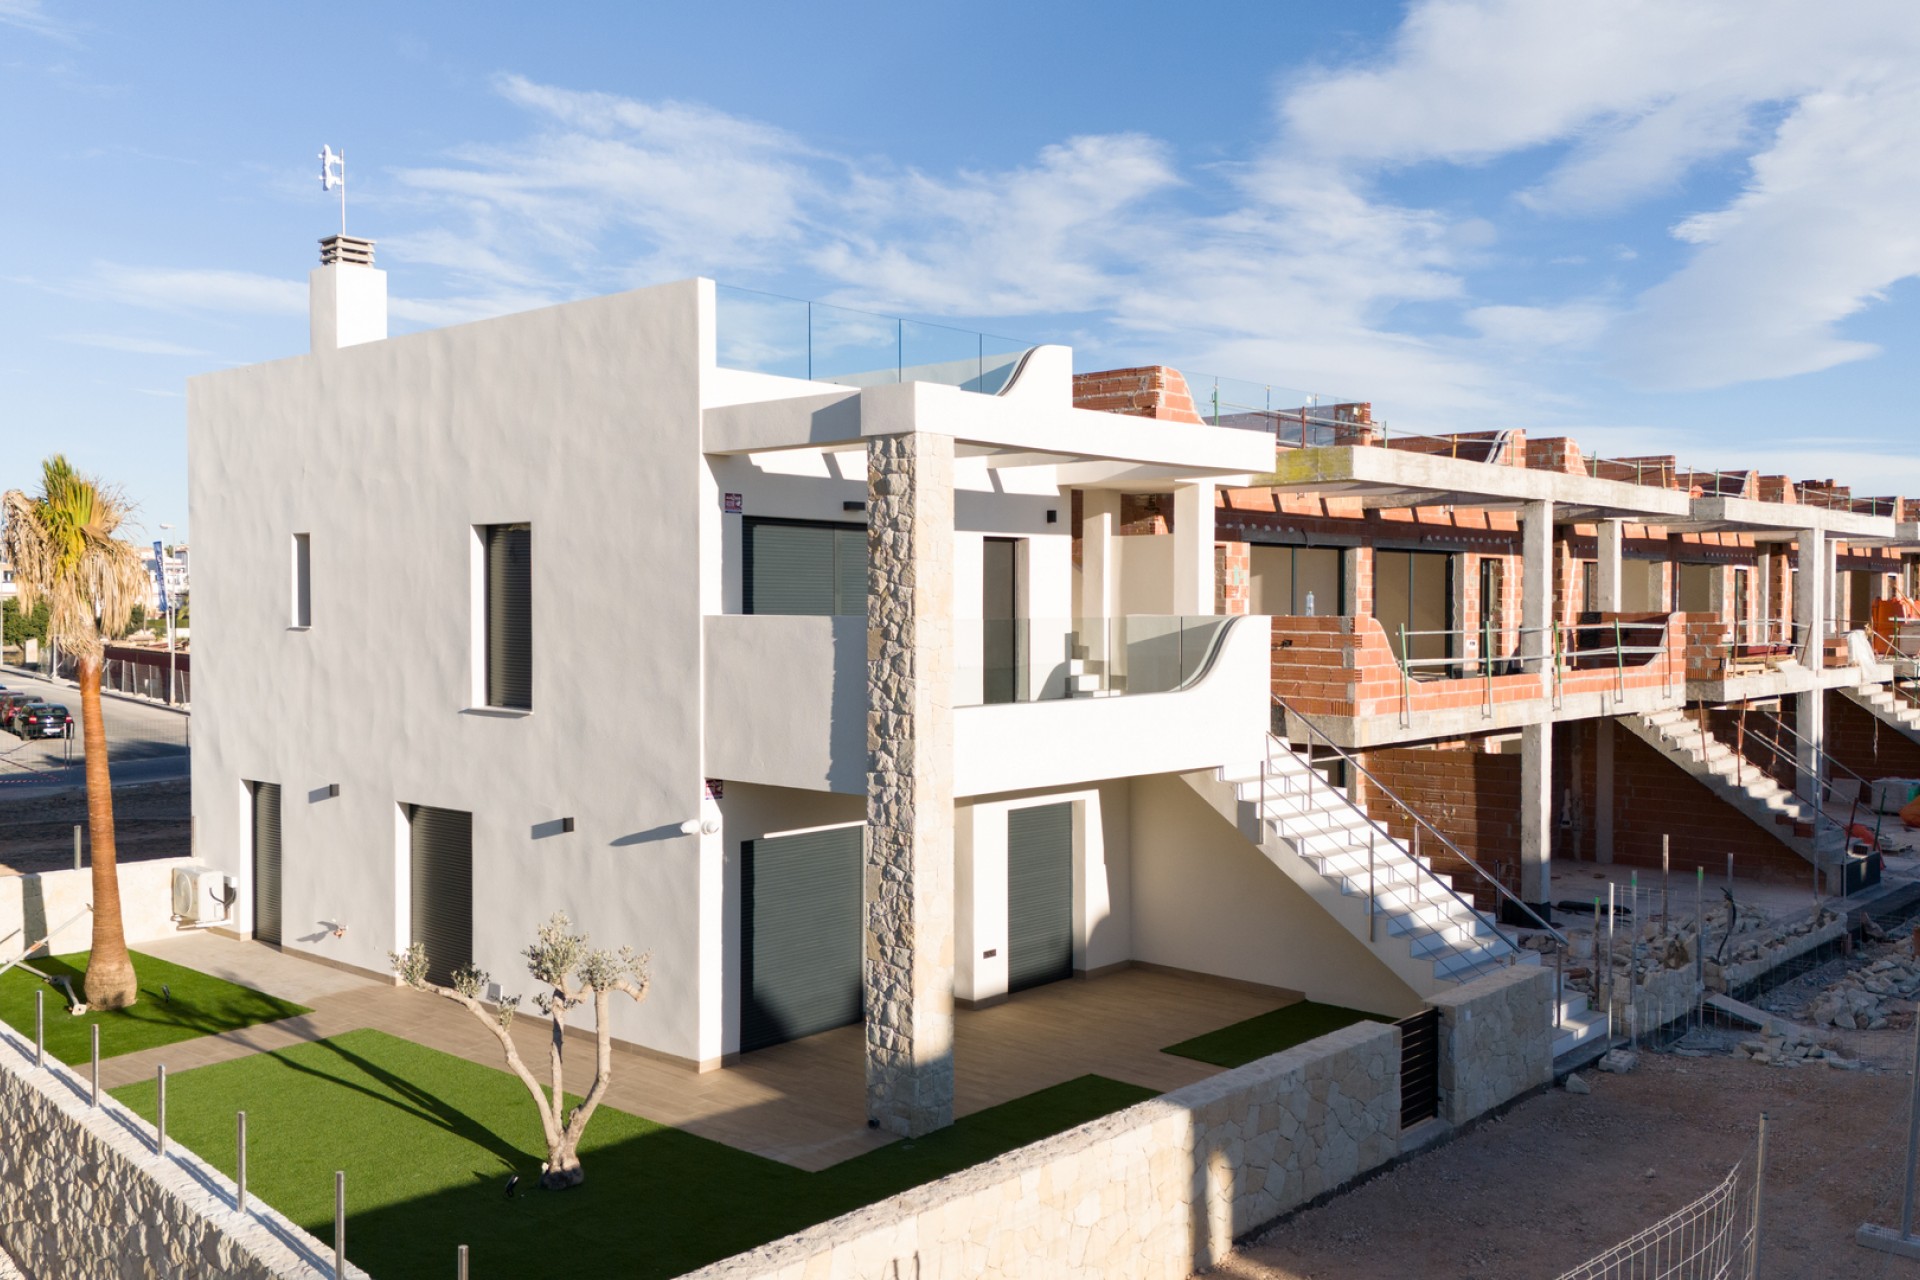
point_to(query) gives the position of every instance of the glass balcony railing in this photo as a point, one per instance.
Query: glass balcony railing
(1004, 660)
(794, 338)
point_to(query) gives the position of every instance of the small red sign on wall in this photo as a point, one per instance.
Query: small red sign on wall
(734, 504)
(714, 788)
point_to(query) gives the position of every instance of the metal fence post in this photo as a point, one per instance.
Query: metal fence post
(160, 1128)
(1759, 1193)
(1370, 889)
(339, 1224)
(76, 829)
(40, 1028)
(240, 1162)
(460, 1260)
(95, 1101)
(1665, 869)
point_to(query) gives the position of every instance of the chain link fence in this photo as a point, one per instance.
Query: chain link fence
(1717, 1237)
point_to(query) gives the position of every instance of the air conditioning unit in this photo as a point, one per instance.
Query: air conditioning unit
(202, 896)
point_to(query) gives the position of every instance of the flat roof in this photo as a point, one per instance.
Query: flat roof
(1007, 432)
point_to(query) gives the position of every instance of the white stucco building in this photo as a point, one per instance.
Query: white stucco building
(564, 611)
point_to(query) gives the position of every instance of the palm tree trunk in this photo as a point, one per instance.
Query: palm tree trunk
(110, 981)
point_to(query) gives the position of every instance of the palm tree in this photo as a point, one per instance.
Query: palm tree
(63, 550)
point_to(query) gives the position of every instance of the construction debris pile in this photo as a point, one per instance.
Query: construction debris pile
(1792, 1047)
(1883, 994)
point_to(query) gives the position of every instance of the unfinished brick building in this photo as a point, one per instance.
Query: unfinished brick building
(1514, 653)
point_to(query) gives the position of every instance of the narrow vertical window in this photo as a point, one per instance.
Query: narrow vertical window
(509, 615)
(302, 580)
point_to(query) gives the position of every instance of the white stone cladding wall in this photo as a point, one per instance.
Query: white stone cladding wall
(1155, 1191)
(1496, 1040)
(909, 851)
(84, 1197)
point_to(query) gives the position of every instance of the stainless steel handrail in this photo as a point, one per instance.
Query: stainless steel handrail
(1419, 821)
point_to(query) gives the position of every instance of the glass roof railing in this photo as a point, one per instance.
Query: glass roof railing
(795, 338)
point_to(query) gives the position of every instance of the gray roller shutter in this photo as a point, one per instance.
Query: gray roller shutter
(796, 567)
(266, 861)
(800, 935)
(442, 888)
(1039, 895)
(510, 616)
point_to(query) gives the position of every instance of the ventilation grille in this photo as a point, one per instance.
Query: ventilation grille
(350, 250)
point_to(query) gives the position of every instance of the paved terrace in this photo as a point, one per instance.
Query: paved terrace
(803, 1103)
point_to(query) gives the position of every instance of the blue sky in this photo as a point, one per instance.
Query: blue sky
(1672, 226)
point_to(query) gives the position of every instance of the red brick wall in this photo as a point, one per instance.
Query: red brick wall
(1470, 796)
(1652, 797)
(1232, 578)
(1857, 739)
(1152, 391)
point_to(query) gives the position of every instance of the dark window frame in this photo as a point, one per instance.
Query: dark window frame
(498, 684)
(750, 523)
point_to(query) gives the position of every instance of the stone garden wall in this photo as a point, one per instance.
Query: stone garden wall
(1157, 1190)
(83, 1196)
(1496, 1040)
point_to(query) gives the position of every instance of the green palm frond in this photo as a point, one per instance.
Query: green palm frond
(62, 546)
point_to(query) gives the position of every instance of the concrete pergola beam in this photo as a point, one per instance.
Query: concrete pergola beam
(1401, 478)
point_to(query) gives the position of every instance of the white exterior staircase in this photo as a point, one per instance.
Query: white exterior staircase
(1427, 935)
(1744, 785)
(1579, 1023)
(1887, 707)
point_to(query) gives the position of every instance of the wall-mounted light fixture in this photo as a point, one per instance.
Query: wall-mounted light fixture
(853, 505)
(333, 791)
(1053, 516)
(566, 824)
(700, 827)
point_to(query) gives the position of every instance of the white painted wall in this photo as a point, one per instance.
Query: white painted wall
(787, 701)
(1206, 899)
(1101, 883)
(1144, 564)
(56, 902)
(1221, 720)
(388, 454)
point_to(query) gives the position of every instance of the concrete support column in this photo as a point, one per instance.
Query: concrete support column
(1612, 538)
(1809, 610)
(909, 891)
(1193, 522)
(1603, 790)
(1536, 586)
(1536, 816)
(1099, 578)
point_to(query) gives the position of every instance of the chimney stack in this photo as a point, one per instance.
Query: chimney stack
(347, 295)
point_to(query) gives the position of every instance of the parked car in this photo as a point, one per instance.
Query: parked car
(17, 714)
(11, 699)
(46, 720)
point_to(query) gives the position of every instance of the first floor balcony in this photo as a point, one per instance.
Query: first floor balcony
(1367, 686)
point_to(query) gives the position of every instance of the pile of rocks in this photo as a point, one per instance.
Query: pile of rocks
(1792, 1047)
(1744, 949)
(1883, 993)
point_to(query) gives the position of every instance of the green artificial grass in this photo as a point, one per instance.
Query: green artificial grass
(1269, 1033)
(195, 1004)
(428, 1140)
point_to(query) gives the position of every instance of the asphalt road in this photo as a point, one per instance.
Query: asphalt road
(145, 743)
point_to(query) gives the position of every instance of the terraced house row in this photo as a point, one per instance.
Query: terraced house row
(866, 670)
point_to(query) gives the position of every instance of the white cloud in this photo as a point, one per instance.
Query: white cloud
(32, 15)
(1576, 324)
(131, 344)
(1623, 101)
(187, 289)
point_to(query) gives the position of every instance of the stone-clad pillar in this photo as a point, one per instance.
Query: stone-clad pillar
(909, 848)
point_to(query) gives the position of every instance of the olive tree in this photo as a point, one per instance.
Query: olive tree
(570, 974)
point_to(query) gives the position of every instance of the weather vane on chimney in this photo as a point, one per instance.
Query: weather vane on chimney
(333, 173)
